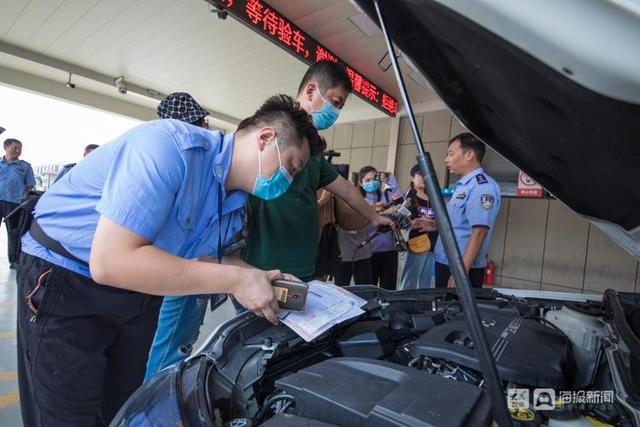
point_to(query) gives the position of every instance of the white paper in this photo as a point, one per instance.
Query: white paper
(327, 305)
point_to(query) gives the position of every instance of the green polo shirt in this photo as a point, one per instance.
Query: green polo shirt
(283, 233)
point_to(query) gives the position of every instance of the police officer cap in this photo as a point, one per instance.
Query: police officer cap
(181, 106)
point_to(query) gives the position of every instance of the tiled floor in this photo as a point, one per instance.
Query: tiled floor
(9, 408)
(9, 404)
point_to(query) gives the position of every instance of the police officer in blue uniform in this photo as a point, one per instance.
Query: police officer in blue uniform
(149, 213)
(473, 209)
(66, 168)
(16, 180)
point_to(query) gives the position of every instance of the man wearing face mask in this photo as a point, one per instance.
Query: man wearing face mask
(282, 219)
(284, 232)
(149, 213)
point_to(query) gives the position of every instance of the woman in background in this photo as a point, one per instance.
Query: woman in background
(384, 259)
(418, 260)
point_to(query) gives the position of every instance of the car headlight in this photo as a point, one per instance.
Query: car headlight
(154, 401)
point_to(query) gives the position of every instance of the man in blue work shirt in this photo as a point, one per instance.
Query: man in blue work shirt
(180, 316)
(473, 209)
(66, 168)
(282, 233)
(149, 213)
(16, 180)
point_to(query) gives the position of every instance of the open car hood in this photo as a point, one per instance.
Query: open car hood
(553, 87)
(407, 360)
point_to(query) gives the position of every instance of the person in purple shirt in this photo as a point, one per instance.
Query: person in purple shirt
(384, 255)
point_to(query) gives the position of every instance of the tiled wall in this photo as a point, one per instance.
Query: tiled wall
(542, 244)
(360, 143)
(437, 127)
(536, 244)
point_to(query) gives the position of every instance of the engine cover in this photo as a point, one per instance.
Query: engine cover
(526, 351)
(363, 392)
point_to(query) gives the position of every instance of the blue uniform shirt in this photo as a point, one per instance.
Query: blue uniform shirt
(14, 177)
(65, 170)
(160, 180)
(475, 201)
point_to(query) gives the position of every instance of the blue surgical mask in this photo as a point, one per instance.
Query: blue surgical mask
(327, 116)
(371, 186)
(277, 185)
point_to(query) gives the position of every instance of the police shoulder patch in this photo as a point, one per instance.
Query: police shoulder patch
(461, 195)
(481, 178)
(487, 201)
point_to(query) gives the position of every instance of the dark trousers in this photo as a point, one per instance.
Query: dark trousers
(385, 269)
(361, 272)
(82, 347)
(476, 276)
(12, 229)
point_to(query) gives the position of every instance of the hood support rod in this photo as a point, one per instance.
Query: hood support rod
(463, 285)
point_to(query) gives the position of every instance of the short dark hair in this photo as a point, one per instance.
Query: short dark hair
(91, 147)
(9, 141)
(361, 174)
(329, 75)
(291, 122)
(201, 122)
(470, 142)
(365, 170)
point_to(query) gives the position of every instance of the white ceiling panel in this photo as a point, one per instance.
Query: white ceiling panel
(170, 45)
(295, 10)
(63, 17)
(31, 19)
(133, 16)
(11, 11)
(92, 22)
(162, 27)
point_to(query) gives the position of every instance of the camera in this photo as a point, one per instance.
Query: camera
(342, 169)
(402, 220)
(121, 85)
(69, 84)
(221, 13)
(383, 177)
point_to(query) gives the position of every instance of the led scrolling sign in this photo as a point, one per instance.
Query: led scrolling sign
(268, 22)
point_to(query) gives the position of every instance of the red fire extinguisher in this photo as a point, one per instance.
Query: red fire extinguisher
(490, 274)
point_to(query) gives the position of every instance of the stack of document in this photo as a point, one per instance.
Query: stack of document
(327, 305)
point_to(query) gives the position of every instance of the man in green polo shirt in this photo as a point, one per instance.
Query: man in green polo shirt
(283, 232)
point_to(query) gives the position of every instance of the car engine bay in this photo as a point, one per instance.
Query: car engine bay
(410, 361)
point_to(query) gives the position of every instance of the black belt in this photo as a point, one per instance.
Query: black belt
(41, 237)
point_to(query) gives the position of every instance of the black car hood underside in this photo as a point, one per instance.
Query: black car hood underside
(581, 146)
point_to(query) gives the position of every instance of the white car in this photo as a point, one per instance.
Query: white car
(554, 86)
